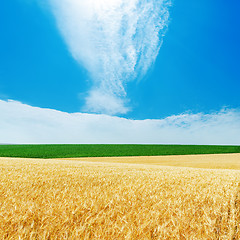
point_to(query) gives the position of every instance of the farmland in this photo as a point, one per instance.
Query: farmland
(95, 199)
(108, 150)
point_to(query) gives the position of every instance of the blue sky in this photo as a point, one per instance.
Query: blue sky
(196, 71)
(197, 68)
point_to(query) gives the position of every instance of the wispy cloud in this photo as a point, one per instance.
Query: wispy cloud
(116, 41)
(21, 123)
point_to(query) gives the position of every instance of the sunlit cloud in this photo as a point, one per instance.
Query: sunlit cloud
(116, 41)
(21, 123)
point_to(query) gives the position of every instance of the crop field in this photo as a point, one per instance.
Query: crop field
(74, 199)
(108, 150)
(212, 161)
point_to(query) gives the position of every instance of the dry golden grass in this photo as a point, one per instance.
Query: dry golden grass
(55, 199)
(212, 161)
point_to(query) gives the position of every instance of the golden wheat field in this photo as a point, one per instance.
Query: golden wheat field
(73, 199)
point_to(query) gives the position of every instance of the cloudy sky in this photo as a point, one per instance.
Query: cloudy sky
(120, 71)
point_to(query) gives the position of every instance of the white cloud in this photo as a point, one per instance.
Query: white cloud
(104, 102)
(21, 123)
(116, 41)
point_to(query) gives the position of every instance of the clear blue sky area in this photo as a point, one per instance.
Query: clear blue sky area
(197, 70)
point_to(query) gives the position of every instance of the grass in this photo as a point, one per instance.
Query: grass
(56, 199)
(108, 150)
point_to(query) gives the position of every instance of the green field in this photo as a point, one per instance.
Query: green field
(109, 150)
